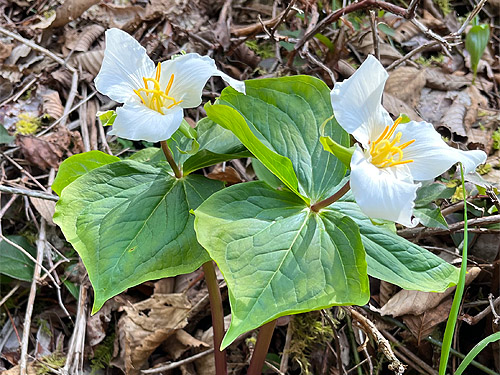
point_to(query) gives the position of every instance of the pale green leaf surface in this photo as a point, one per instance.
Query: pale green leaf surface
(5, 137)
(13, 262)
(278, 257)
(430, 216)
(285, 114)
(130, 223)
(394, 259)
(77, 165)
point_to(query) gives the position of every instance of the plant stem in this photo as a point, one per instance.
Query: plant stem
(170, 159)
(261, 348)
(457, 299)
(217, 317)
(335, 197)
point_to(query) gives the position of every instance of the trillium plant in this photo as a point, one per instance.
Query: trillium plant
(303, 237)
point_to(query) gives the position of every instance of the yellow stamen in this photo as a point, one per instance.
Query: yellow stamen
(155, 98)
(385, 151)
(169, 86)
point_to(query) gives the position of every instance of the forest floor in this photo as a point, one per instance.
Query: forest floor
(50, 53)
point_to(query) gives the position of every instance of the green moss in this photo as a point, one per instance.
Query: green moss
(103, 354)
(50, 363)
(27, 124)
(444, 5)
(264, 50)
(496, 139)
(484, 169)
(309, 331)
(439, 59)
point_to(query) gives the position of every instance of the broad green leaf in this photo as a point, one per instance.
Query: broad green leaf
(475, 42)
(232, 119)
(130, 223)
(15, 263)
(285, 114)
(392, 258)
(430, 216)
(277, 256)
(77, 165)
(5, 137)
(149, 155)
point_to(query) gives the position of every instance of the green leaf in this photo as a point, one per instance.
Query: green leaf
(476, 350)
(215, 145)
(279, 165)
(277, 256)
(149, 155)
(130, 223)
(107, 118)
(13, 262)
(77, 165)
(392, 258)
(430, 216)
(430, 192)
(265, 174)
(285, 114)
(5, 137)
(344, 154)
(476, 42)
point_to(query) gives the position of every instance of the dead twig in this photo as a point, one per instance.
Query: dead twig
(74, 358)
(173, 365)
(8, 295)
(413, 232)
(31, 299)
(283, 16)
(384, 345)
(373, 24)
(29, 193)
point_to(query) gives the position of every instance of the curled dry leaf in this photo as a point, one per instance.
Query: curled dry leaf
(52, 104)
(91, 61)
(229, 175)
(388, 54)
(406, 83)
(146, 325)
(415, 302)
(177, 344)
(82, 42)
(453, 118)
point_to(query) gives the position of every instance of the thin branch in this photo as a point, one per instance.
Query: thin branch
(413, 232)
(29, 193)
(31, 300)
(173, 365)
(373, 24)
(8, 295)
(282, 17)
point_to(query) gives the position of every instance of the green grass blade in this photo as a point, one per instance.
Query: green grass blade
(457, 299)
(475, 351)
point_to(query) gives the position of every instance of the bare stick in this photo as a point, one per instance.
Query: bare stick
(74, 358)
(373, 24)
(282, 17)
(311, 57)
(412, 53)
(286, 348)
(31, 300)
(412, 232)
(492, 306)
(29, 193)
(8, 295)
(469, 18)
(384, 345)
(173, 365)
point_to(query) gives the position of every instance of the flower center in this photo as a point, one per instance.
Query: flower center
(387, 152)
(155, 98)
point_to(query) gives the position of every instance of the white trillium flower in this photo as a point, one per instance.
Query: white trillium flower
(392, 155)
(153, 98)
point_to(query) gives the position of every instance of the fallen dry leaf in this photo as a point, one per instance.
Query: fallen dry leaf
(146, 325)
(70, 10)
(177, 344)
(453, 118)
(406, 83)
(45, 208)
(229, 175)
(423, 324)
(82, 41)
(396, 106)
(91, 61)
(415, 302)
(439, 80)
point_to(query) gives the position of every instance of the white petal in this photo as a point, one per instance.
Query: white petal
(357, 101)
(387, 193)
(138, 122)
(191, 73)
(431, 155)
(125, 63)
